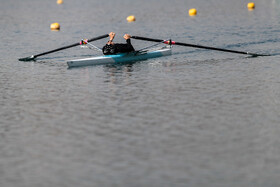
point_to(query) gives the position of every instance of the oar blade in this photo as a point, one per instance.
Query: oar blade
(256, 55)
(30, 58)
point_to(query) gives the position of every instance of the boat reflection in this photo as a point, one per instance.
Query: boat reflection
(118, 73)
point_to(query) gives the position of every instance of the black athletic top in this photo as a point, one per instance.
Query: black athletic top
(110, 49)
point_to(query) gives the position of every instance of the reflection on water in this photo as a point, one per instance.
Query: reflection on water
(117, 73)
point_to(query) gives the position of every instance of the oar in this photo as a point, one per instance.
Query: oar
(61, 48)
(196, 46)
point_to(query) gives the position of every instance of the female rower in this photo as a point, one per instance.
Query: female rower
(113, 48)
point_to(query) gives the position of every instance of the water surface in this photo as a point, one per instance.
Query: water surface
(196, 118)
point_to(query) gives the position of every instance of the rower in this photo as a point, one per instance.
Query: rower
(112, 48)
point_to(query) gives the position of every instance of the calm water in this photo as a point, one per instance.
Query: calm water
(196, 118)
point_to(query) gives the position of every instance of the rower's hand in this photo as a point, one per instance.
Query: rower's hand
(112, 35)
(126, 36)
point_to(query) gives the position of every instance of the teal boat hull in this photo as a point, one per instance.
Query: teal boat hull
(119, 58)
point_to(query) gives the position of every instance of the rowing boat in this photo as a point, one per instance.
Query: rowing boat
(119, 58)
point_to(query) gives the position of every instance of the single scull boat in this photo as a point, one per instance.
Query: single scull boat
(120, 58)
(132, 56)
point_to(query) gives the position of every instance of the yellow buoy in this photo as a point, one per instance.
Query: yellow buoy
(59, 2)
(55, 26)
(131, 18)
(251, 5)
(192, 12)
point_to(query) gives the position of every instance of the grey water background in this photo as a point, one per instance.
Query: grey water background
(196, 118)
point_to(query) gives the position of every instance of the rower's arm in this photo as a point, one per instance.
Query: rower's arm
(112, 36)
(129, 45)
(128, 41)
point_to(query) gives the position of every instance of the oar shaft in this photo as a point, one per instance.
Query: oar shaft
(212, 48)
(196, 46)
(69, 46)
(147, 39)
